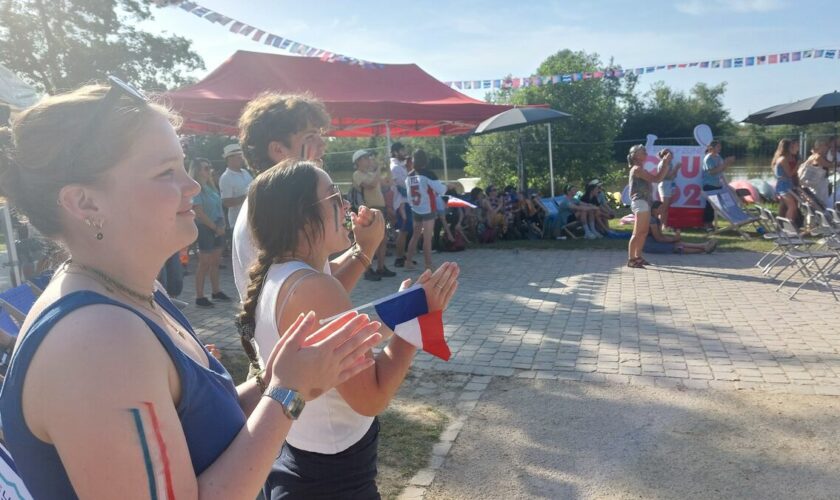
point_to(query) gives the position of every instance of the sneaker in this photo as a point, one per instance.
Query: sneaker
(221, 296)
(386, 273)
(372, 275)
(589, 236)
(203, 302)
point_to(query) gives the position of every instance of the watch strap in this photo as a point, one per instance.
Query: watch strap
(290, 400)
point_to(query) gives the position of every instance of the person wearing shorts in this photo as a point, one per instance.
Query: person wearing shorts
(210, 220)
(422, 190)
(640, 198)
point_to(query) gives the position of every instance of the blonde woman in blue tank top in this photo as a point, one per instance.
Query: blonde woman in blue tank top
(110, 394)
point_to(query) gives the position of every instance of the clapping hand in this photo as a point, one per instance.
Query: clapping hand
(314, 361)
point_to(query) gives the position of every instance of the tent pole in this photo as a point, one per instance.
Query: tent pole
(550, 160)
(443, 147)
(387, 139)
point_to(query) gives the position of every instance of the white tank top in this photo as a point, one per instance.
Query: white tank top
(327, 424)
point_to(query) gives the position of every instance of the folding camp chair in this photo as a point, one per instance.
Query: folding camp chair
(17, 301)
(39, 282)
(552, 211)
(727, 208)
(807, 261)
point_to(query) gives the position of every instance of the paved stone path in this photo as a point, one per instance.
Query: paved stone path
(700, 321)
(697, 322)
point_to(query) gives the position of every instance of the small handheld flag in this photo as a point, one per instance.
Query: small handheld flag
(407, 314)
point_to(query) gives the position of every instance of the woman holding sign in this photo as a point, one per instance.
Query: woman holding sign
(641, 200)
(297, 217)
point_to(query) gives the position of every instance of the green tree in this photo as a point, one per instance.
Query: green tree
(582, 144)
(62, 44)
(665, 112)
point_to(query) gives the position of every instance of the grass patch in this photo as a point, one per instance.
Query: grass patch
(408, 433)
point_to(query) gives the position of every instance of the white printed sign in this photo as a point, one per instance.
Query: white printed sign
(689, 181)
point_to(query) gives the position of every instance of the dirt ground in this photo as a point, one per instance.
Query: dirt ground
(559, 440)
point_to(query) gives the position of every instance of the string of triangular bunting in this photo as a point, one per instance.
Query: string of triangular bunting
(732, 62)
(260, 35)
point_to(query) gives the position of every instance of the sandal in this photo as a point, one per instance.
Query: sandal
(634, 263)
(642, 261)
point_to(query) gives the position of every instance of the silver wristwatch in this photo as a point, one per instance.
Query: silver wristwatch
(290, 400)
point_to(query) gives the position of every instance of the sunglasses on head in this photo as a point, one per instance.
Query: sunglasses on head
(117, 90)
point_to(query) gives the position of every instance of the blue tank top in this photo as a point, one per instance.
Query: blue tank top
(209, 409)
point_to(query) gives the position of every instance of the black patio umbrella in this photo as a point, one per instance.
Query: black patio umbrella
(818, 109)
(517, 118)
(758, 117)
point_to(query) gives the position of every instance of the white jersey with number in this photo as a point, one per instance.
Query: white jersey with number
(423, 194)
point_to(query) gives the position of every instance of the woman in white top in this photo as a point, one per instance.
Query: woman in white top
(813, 173)
(297, 218)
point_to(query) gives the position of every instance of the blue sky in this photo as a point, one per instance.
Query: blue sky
(477, 40)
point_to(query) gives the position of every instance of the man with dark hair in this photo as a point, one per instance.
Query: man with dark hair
(404, 225)
(274, 127)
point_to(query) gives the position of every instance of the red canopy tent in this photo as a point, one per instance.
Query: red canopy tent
(392, 99)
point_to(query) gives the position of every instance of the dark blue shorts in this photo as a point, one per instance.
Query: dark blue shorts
(405, 224)
(208, 240)
(308, 475)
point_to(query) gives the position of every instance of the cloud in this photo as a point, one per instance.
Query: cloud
(700, 7)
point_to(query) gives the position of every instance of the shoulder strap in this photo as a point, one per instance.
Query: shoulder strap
(298, 279)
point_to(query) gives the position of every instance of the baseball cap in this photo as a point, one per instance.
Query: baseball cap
(231, 149)
(358, 155)
(595, 182)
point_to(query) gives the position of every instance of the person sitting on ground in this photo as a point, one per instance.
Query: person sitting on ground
(814, 172)
(110, 393)
(593, 195)
(368, 179)
(210, 219)
(297, 217)
(640, 195)
(784, 173)
(494, 208)
(572, 209)
(657, 242)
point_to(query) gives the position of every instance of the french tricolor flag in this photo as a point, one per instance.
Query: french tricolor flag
(407, 314)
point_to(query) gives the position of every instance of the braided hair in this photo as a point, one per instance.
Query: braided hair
(282, 209)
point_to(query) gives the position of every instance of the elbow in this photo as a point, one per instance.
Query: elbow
(370, 406)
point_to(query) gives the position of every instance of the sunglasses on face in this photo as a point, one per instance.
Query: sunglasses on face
(341, 204)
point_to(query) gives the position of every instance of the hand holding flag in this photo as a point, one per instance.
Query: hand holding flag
(415, 313)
